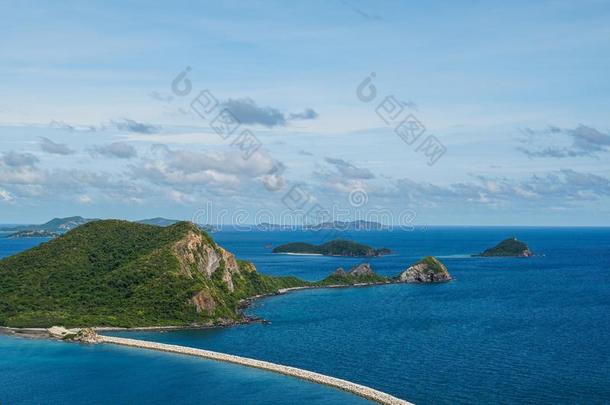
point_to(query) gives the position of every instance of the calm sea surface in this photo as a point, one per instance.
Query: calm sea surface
(506, 330)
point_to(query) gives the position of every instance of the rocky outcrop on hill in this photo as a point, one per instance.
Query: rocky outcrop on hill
(427, 270)
(196, 252)
(357, 275)
(363, 269)
(339, 272)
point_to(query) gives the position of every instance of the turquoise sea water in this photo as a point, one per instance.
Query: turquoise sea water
(505, 330)
(50, 372)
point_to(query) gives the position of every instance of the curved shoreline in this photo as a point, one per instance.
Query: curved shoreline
(357, 389)
(42, 333)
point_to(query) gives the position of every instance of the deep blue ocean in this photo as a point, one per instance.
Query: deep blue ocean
(506, 330)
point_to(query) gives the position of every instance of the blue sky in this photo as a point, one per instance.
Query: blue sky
(516, 93)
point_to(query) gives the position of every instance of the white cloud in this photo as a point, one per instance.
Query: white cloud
(85, 199)
(6, 196)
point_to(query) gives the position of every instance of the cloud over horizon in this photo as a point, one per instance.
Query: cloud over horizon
(248, 112)
(349, 170)
(130, 125)
(49, 146)
(119, 150)
(585, 141)
(18, 160)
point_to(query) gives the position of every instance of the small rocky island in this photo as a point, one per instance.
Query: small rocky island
(427, 270)
(360, 274)
(510, 247)
(336, 247)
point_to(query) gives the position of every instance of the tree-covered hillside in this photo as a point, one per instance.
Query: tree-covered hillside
(119, 273)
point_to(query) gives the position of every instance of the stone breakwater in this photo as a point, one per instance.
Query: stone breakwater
(357, 389)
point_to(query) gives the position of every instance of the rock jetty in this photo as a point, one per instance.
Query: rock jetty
(357, 389)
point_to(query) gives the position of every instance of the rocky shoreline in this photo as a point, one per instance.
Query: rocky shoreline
(43, 333)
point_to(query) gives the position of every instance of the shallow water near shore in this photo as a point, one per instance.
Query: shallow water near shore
(53, 372)
(505, 330)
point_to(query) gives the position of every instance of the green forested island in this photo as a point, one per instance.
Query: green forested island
(508, 247)
(337, 247)
(119, 273)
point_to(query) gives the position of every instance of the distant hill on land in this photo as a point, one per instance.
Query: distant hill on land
(158, 221)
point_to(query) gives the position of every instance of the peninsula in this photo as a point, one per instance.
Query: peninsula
(338, 247)
(111, 273)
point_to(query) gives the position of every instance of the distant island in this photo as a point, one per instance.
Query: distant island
(508, 247)
(34, 234)
(338, 247)
(359, 225)
(54, 226)
(124, 274)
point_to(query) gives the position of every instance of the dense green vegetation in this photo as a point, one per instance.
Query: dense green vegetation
(434, 266)
(118, 273)
(350, 279)
(333, 248)
(508, 247)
